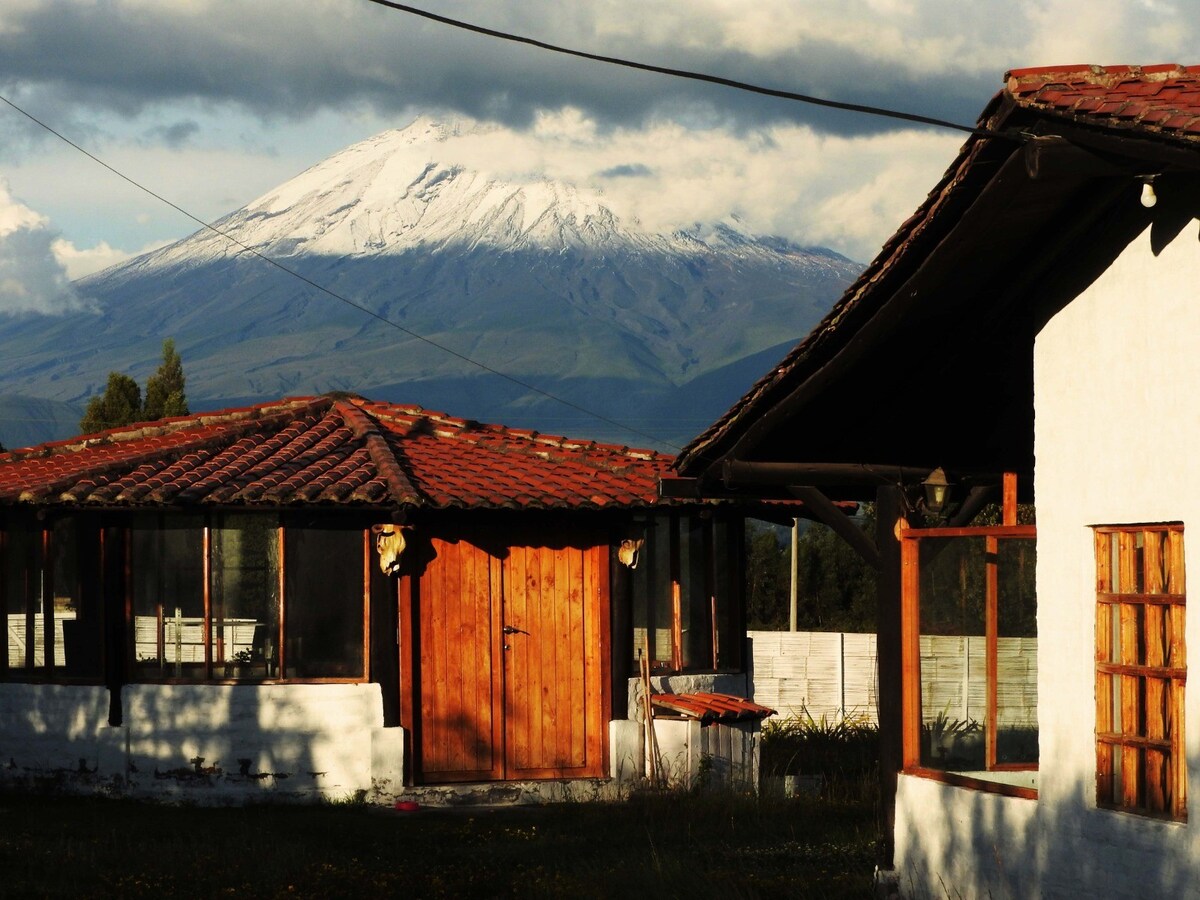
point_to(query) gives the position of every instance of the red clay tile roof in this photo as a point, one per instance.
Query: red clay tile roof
(1162, 99)
(325, 451)
(1159, 103)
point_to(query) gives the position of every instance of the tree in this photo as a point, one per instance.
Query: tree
(768, 578)
(121, 402)
(164, 389)
(836, 589)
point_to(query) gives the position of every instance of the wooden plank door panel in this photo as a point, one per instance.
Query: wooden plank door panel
(552, 682)
(461, 716)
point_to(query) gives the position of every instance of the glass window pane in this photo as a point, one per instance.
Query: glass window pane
(729, 637)
(245, 595)
(324, 603)
(22, 587)
(77, 606)
(167, 570)
(1016, 652)
(695, 596)
(652, 602)
(953, 596)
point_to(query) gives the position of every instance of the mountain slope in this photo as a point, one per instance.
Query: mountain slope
(538, 280)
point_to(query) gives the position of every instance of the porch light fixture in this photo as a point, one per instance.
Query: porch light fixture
(937, 491)
(1149, 198)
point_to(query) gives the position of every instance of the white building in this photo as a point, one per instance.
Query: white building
(1031, 332)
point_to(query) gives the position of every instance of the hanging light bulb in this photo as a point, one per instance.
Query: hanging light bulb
(1149, 198)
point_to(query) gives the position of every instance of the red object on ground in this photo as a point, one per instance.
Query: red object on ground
(407, 806)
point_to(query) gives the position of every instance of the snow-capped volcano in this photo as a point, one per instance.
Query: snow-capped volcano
(407, 190)
(531, 277)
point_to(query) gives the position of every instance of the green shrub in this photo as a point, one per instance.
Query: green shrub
(843, 753)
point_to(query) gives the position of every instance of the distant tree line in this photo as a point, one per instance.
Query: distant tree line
(836, 586)
(122, 402)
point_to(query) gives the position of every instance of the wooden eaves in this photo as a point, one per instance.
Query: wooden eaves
(926, 360)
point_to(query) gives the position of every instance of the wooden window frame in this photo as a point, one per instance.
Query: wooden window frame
(910, 637)
(1141, 670)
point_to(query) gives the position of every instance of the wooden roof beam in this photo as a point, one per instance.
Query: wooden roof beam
(825, 512)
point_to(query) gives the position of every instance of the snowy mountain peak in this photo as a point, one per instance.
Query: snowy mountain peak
(407, 189)
(427, 187)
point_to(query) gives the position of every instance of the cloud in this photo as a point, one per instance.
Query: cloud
(80, 262)
(935, 57)
(627, 170)
(174, 135)
(32, 280)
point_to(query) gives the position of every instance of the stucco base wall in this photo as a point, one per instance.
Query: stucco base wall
(298, 741)
(58, 735)
(203, 743)
(955, 842)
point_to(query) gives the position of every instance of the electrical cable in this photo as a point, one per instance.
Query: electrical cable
(695, 76)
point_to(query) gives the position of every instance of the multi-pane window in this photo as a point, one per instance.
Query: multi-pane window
(970, 654)
(238, 597)
(686, 605)
(1141, 668)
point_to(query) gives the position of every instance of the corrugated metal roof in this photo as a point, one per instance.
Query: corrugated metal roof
(327, 451)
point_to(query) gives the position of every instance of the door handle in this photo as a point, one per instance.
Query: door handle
(513, 629)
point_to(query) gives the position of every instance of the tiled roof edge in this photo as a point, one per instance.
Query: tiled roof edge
(156, 427)
(241, 420)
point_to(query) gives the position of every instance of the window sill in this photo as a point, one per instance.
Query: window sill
(958, 779)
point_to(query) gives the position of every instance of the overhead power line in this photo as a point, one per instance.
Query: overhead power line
(692, 76)
(339, 297)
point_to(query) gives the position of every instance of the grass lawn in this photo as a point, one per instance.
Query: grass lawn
(651, 846)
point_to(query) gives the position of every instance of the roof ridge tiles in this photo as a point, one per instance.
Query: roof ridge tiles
(364, 428)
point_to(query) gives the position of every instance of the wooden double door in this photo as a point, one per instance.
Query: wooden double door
(509, 661)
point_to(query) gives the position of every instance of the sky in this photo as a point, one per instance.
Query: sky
(211, 103)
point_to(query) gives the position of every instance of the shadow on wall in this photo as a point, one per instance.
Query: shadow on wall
(58, 736)
(962, 843)
(199, 743)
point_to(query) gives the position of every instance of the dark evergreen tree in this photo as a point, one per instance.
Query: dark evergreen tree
(120, 404)
(164, 390)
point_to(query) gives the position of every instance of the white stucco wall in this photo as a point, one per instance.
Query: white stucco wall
(203, 743)
(1117, 404)
(953, 842)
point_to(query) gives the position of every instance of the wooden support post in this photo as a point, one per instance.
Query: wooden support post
(1009, 506)
(795, 591)
(889, 508)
